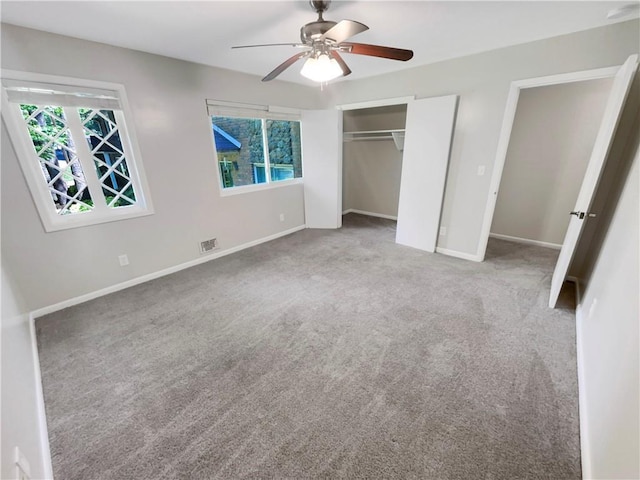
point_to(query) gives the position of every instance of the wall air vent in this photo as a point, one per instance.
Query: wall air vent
(208, 245)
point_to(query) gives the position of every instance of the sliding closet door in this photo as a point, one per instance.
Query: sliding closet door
(322, 167)
(427, 145)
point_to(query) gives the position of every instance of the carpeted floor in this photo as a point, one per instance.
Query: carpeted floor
(324, 354)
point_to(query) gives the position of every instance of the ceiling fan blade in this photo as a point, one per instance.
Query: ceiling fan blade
(284, 65)
(272, 45)
(343, 65)
(342, 30)
(377, 51)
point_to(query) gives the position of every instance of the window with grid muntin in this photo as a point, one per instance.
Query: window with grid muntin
(76, 154)
(103, 138)
(59, 162)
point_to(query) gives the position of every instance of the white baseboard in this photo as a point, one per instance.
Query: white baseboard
(161, 273)
(370, 214)
(526, 241)
(455, 253)
(585, 451)
(41, 412)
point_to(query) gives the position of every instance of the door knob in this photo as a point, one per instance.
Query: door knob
(580, 215)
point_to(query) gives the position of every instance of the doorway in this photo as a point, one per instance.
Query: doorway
(553, 134)
(620, 86)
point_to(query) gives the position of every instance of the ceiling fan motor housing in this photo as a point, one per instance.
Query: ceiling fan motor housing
(314, 30)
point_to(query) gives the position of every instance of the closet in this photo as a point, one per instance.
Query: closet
(373, 141)
(395, 161)
(378, 178)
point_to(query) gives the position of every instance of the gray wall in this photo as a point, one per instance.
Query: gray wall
(372, 168)
(553, 134)
(483, 81)
(167, 99)
(19, 395)
(608, 325)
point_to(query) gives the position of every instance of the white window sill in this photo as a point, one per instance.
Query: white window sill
(258, 187)
(90, 218)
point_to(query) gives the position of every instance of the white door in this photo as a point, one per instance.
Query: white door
(613, 109)
(425, 159)
(321, 132)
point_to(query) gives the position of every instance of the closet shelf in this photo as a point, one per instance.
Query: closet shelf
(396, 135)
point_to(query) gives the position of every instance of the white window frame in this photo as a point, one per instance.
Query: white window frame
(221, 108)
(29, 162)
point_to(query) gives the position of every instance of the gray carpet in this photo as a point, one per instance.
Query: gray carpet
(324, 354)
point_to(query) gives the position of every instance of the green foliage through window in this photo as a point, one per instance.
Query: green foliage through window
(61, 167)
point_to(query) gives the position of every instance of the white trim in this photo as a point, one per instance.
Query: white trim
(258, 187)
(574, 280)
(247, 110)
(505, 135)
(161, 273)
(457, 254)
(238, 105)
(269, 183)
(585, 450)
(567, 77)
(384, 102)
(58, 79)
(41, 412)
(370, 214)
(526, 241)
(496, 176)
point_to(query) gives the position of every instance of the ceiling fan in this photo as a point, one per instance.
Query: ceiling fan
(324, 41)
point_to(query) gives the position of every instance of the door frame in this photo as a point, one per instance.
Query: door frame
(382, 102)
(505, 135)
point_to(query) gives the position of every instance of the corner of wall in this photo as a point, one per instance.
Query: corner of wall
(22, 414)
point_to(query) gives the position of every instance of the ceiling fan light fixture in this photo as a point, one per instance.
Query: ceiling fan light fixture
(321, 69)
(323, 41)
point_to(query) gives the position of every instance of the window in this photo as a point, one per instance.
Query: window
(255, 147)
(75, 150)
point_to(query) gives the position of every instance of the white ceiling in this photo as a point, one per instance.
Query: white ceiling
(204, 31)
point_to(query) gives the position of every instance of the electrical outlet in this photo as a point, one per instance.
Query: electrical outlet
(481, 170)
(23, 469)
(443, 230)
(282, 217)
(124, 260)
